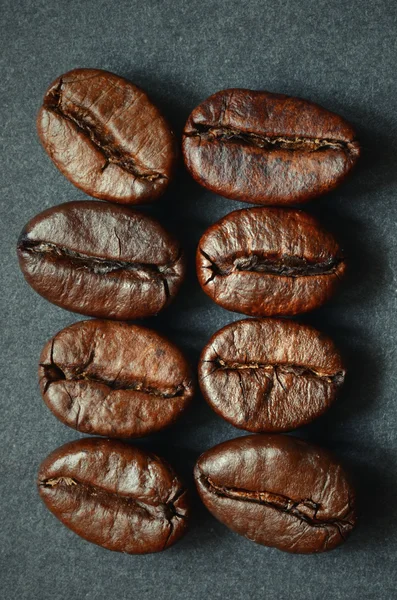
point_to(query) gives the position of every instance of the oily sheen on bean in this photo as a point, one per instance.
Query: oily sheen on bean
(267, 148)
(270, 374)
(107, 137)
(115, 495)
(114, 379)
(269, 261)
(278, 491)
(101, 260)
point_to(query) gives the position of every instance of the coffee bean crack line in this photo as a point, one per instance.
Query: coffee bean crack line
(293, 143)
(279, 369)
(102, 266)
(54, 373)
(284, 266)
(97, 135)
(280, 503)
(166, 511)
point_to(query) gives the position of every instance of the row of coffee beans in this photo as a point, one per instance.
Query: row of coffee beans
(108, 139)
(108, 261)
(273, 489)
(119, 380)
(262, 375)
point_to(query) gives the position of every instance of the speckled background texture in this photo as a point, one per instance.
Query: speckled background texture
(340, 54)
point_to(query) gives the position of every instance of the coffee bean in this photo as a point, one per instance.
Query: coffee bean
(114, 379)
(270, 374)
(268, 261)
(114, 495)
(278, 491)
(106, 137)
(267, 148)
(101, 260)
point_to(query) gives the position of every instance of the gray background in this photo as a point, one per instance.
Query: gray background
(340, 54)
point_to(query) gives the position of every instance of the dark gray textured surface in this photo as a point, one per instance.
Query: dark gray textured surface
(340, 54)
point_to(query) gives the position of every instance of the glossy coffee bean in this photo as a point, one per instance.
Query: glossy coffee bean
(278, 491)
(114, 495)
(267, 148)
(269, 261)
(270, 374)
(114, 379)
(107, 137)
(101, 260)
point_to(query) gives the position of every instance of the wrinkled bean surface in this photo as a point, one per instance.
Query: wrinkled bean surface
(278, 491)
(114, 495)
(107, 137)
(269, 261)
(114, 379)
(270, 374)
(267, 148)
(101, 260)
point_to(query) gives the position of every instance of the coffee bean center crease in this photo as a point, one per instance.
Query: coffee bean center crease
(285, 266)
(279, 369)
(56, 372)
(265, 142)
(98, 265)
(166, 511)
(305, 510)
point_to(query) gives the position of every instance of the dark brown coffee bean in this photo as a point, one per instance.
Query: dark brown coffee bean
(267, 148)
(106, 136)
(114, 495)
(278, 491)
(101, 260)
(268, 261)
(270, 374)
(114, 379)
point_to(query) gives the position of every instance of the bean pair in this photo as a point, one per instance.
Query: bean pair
(275, 490)
(109, 139)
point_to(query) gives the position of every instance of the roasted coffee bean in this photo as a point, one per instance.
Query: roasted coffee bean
(114, 495)
(267, 148)
(268, 261)
(101, 260)
(270, 374)
(278, 491)
(106, 137)
(114, 379)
